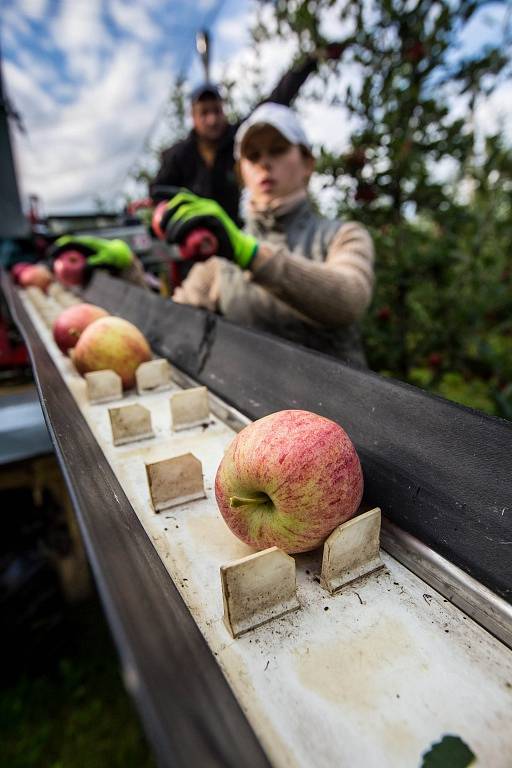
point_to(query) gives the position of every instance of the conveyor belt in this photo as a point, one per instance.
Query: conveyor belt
(440, 471)
(369, 677)
(189, 711)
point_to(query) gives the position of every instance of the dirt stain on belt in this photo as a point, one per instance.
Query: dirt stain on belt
(215, 533)
(361, 673)
(361, 668)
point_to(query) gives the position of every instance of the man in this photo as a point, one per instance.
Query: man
(203, 162)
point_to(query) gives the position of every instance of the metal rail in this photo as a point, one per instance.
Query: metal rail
(484, 606)
(188, 709)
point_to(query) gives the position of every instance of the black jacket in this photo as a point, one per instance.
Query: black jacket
(183, 166)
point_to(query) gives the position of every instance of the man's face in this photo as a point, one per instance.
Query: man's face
(209, 119)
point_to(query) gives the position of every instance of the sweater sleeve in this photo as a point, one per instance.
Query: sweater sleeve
(242, 301)
(334, 293)
(135, 274)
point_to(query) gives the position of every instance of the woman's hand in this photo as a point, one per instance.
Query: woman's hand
(186, 212)
(201, 288)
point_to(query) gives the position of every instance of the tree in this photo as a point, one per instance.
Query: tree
(442, 279)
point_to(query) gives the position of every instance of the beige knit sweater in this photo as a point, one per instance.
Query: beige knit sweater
(334, 293)
(323, 285)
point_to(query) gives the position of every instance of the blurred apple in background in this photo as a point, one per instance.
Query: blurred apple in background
(36, 274)
(18, 268)
(288, 480)
(71, 323)
(111, 343)
(69, 268)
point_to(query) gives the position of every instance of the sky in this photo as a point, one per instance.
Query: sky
(91, 79)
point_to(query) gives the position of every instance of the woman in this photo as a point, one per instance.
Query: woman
(290, 272)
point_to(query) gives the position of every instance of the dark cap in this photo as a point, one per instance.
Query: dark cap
(205, 89)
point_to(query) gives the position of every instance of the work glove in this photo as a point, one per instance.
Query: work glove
(187, 212)
(201, 287)
(99, 252)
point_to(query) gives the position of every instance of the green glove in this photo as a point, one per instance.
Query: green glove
(186, 212)
(99, 251)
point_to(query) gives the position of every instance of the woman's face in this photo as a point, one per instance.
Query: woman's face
(271, 167)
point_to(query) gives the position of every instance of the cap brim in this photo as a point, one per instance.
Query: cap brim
(252, 129)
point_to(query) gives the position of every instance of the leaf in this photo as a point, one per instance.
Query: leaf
(450, 752)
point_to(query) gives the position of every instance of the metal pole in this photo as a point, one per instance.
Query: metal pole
(203, 49)
(13, 223)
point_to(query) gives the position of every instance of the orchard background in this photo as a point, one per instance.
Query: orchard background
(434, 191)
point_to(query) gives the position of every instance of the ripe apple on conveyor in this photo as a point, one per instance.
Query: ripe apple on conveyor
(288, 480)
(36, 275)
(72, 322)
(18, 268)
(111, 343)
(69, 268)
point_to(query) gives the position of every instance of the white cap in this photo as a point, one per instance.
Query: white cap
(283, 119)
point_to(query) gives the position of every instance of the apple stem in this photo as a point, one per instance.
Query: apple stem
(240, 501)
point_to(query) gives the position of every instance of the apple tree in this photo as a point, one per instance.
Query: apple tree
(417, 173)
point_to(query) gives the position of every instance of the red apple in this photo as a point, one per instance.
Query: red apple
(71, 323)
(36, 274)
(112, 343)
(156, 219)
(288, 480)
(69, 268)
(18, 268)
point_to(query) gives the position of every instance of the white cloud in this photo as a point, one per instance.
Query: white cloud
(134, 19)
(13, 24)
(494, 114)
(83, 137)
(87, 148)
(32, 9)
(28, 97)
(79, 32)
(79, 25)
(326, 125)
(233, 29)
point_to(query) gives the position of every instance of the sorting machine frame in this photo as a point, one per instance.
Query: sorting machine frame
(441, 473)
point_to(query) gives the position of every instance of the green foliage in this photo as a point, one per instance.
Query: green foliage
(450, 752)
(77, 714)
(443, 299)
(442, 312)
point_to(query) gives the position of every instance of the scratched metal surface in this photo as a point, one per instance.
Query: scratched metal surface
(370, 677)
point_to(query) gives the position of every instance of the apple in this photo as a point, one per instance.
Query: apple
(18, 268)
(36, 274)
(69, 268)
(288, 480)
(365, 193)
(111, 343)
(384, 313)
(156, 219)
(71, 323)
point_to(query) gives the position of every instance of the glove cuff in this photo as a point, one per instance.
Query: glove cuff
(247, 251)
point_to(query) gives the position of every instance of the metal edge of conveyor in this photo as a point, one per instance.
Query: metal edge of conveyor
(197, 744)
(472, 598)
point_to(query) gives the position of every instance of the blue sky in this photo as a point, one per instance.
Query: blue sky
(91, 77)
